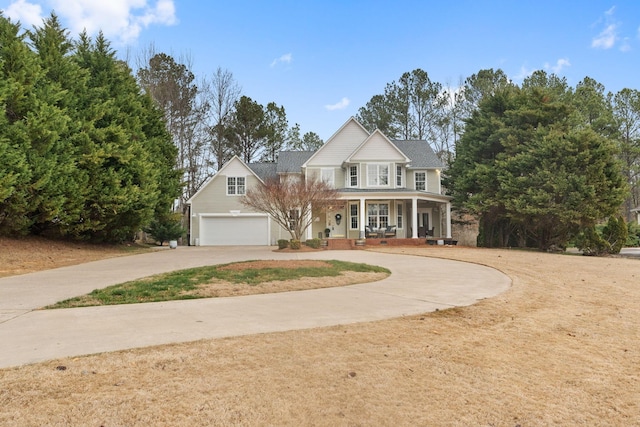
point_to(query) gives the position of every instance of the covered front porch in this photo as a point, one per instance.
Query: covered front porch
(411, 215)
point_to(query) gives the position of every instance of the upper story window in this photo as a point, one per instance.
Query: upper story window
(328, 176)
(399, 176)
(378, 174)
(353, 176)
(421, 181)
(236, 185)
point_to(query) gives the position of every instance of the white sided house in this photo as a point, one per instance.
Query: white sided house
(389, 188)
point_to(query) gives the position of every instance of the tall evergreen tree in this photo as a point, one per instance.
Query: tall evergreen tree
(120, 157)
(66, 83)
(532, 176)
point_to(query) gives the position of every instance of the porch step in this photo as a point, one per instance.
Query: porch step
(340, 244)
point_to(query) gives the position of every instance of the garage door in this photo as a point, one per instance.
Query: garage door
(234, 230)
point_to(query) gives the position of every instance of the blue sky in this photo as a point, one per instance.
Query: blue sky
(323, 60)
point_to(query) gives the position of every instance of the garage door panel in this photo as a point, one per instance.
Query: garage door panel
(234, 231)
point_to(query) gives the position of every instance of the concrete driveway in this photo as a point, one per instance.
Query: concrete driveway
(416, 285)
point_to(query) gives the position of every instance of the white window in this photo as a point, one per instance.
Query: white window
(421, 181)
(353, 176)
(378, 174)
(378, 215)
(235, 185)
(398, 176)
(400, 217)
(353, 216)
(328, 176)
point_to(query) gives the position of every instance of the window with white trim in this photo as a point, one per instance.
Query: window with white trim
(353, 176)
(421, 181)
(328, 176)
(378, 215)
(400, 217)
(353, 216)
(378, 174)
(236, 185)
(398, 176)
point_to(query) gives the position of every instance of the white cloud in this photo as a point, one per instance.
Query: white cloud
(523, 73)
(559, 66)
(122, 20)
(29, 14)
(284, 59)
(341, 105)
(607, 38)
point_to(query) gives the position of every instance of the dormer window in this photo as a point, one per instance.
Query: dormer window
(378, 174)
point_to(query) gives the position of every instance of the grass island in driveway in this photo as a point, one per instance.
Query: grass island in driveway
(234, 279)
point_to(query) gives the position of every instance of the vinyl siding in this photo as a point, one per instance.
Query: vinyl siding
(377, 148)
(340, 146)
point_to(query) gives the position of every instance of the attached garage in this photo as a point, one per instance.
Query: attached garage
(238, 230)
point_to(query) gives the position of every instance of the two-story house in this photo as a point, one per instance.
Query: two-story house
(381, 183)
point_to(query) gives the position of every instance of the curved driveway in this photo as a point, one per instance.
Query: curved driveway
(416, 285)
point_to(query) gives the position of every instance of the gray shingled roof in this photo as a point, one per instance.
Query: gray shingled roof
(420, 153)
(263, 170)
(292, 161)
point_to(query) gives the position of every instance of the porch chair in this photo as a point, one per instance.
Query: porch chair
(390, 231)
(369, 233)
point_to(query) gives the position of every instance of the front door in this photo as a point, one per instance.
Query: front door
(336, 223)
(424, 221)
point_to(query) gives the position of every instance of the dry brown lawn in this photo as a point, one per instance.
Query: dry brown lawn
(20, 256)
(561, 347)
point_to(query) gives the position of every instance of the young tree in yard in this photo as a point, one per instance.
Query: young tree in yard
(290, 202)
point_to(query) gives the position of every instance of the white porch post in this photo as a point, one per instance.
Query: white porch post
(448, 220)
(362, 219)
(309, 220)
(414, 218)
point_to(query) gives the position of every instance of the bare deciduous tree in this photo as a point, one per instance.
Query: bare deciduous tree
(223, 94)
(291, 203)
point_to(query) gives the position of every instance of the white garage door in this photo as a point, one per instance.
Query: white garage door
(234, 230)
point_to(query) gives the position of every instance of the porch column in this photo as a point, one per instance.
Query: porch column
(448, 220)
(362, 219)
(414, 218)
(309, 220)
